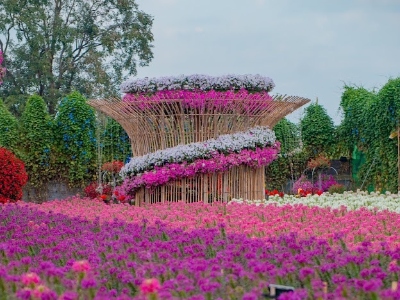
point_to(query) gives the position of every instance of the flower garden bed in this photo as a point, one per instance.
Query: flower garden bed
(83, 249)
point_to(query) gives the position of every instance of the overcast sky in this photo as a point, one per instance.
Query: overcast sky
(310, 48)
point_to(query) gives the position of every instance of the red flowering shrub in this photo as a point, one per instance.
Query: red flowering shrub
(274, 193)
(12, 176)
(92, 191)
(112, 167)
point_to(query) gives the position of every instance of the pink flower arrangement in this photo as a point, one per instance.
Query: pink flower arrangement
(218, 163)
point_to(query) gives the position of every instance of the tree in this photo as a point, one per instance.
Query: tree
(52, 47)
(317, 130)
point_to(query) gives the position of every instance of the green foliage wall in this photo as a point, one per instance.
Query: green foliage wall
(369, 119)
(8, 128)
(317, 130)
(75, 131)
(37, 141)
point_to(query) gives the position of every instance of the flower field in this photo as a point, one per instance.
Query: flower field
(83, 249)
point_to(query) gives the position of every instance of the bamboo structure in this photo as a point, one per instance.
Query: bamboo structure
(163, 123)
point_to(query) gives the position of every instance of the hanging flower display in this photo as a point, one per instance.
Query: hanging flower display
(219, 162)
(257, 137)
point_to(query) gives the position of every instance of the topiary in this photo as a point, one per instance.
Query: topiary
(317, 130)
(75, 127)
(37, 140)
(12, 176)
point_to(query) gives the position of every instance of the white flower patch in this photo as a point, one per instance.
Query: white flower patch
(351, 200)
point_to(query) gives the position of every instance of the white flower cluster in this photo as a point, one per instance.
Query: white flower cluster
(255, 83)
(351, 200)
(256, 137)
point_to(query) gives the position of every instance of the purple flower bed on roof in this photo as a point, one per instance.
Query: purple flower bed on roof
(54, 256)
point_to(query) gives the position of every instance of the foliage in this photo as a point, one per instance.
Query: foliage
(2, 69)
(291, 162)
(54, 46)
(8, 128)
(354, 103)
(317, 130)
(75, 133)
(115, 142)
(16, 104)
(12, 176)
(37, 141)
(287, 133)
(369, 119)
(337, 188)
(320, 161)
(381, 119)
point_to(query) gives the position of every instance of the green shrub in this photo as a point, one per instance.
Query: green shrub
(337, 189)
(37, 141)
(75, 130)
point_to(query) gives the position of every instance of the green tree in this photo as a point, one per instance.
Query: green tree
(37, 141)
(288, 134)
(75, 131)
(52, 47)
(115, 142)
(317, 130)
(8, 128)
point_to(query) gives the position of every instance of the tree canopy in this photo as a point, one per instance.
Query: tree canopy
(52, 47)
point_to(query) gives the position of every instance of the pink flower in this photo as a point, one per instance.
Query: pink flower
(30, 278)
(81, 266)
(150, 286)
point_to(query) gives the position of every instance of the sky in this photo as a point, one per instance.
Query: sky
(310, 48)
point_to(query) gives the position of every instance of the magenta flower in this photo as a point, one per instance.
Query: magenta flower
(150, 286)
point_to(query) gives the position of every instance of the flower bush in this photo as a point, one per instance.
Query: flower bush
(323, 183)
(12, 176)
(196, 251)
(319, 162)
(227, 143)
(112, 166)
(198, 82)
(94, 190)
(217, 163)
